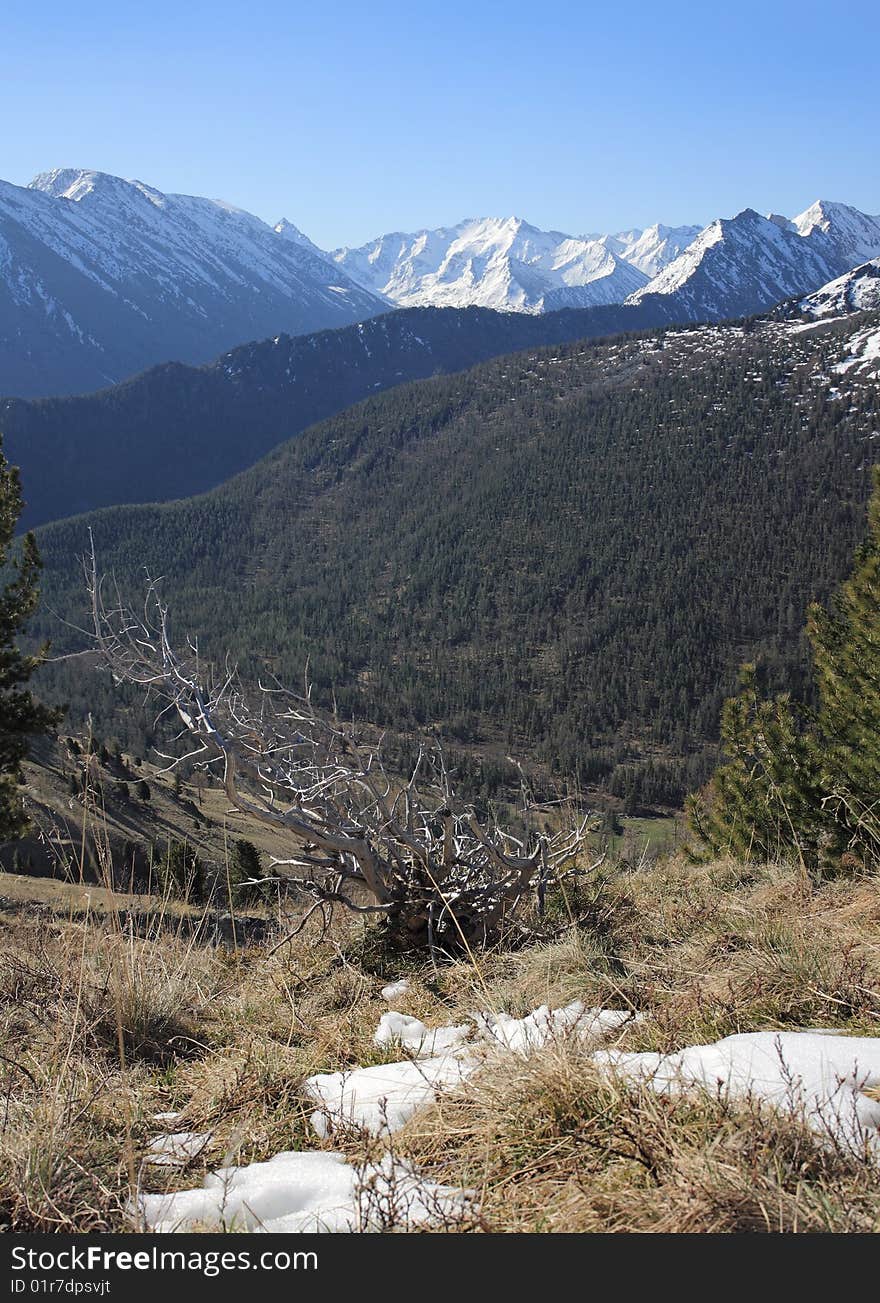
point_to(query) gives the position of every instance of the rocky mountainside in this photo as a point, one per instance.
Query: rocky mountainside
(858, 290)
(101, 277)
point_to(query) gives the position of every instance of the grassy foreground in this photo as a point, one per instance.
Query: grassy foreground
(100, 1031)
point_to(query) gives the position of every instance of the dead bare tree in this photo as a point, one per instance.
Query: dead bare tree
(407, 848)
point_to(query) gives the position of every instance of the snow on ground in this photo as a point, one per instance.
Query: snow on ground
(821, 1074)
(414, 1035)
(863, 353)
(298, 1192)
(394, 990)
(178, 1148)
(798, 328)
(384, 1097)
(522, 1035)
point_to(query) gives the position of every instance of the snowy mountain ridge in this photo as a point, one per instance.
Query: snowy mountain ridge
(733, 266)
(652, 249)
(853, 237)
(856, 291)
(493, 262)
(102, 277)
(748, 263)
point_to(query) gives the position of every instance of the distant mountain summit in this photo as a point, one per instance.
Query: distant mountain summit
(502, 263)
(732, 267)
(749, 263)
(102, 277)
(652, 249)
(849, 236)
(507, 264)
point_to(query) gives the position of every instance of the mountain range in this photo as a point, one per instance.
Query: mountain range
(730, 268)
(101, 278)
(176, 430)
(504, 264)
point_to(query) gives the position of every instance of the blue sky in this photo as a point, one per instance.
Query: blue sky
(352, 119)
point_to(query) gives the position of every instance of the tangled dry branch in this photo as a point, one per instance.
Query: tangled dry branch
(406, 847)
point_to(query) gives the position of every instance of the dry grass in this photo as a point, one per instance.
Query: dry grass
(550, 1145)
(99, 1031)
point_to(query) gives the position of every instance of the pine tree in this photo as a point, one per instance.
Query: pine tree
(181, 872)
(846, 655)
(20, 715)
(801, 780)
(244, 868)
(767, 798)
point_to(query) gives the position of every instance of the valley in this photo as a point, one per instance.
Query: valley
(439, 669)
(563, 554)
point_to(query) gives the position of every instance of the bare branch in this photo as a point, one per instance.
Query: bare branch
(407, 848)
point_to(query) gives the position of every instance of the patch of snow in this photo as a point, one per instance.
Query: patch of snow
(394, 990)
(415, 1036)
(384, 1097)
(294, 1193)
(820, 1074)
(863, 353)
(523, 1035)
(176, 1149)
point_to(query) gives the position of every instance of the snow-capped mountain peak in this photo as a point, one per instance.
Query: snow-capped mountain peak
(101, 277)
(747, 263)
(115, 271)
(290, 232)
(652, 249)
(90, 188)
(494, 262)
(76, 183)
(852, 237)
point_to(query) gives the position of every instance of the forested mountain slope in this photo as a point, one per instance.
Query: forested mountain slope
(566, 552)
(178, 430)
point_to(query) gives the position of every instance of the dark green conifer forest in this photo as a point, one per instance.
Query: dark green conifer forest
(564, 554)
